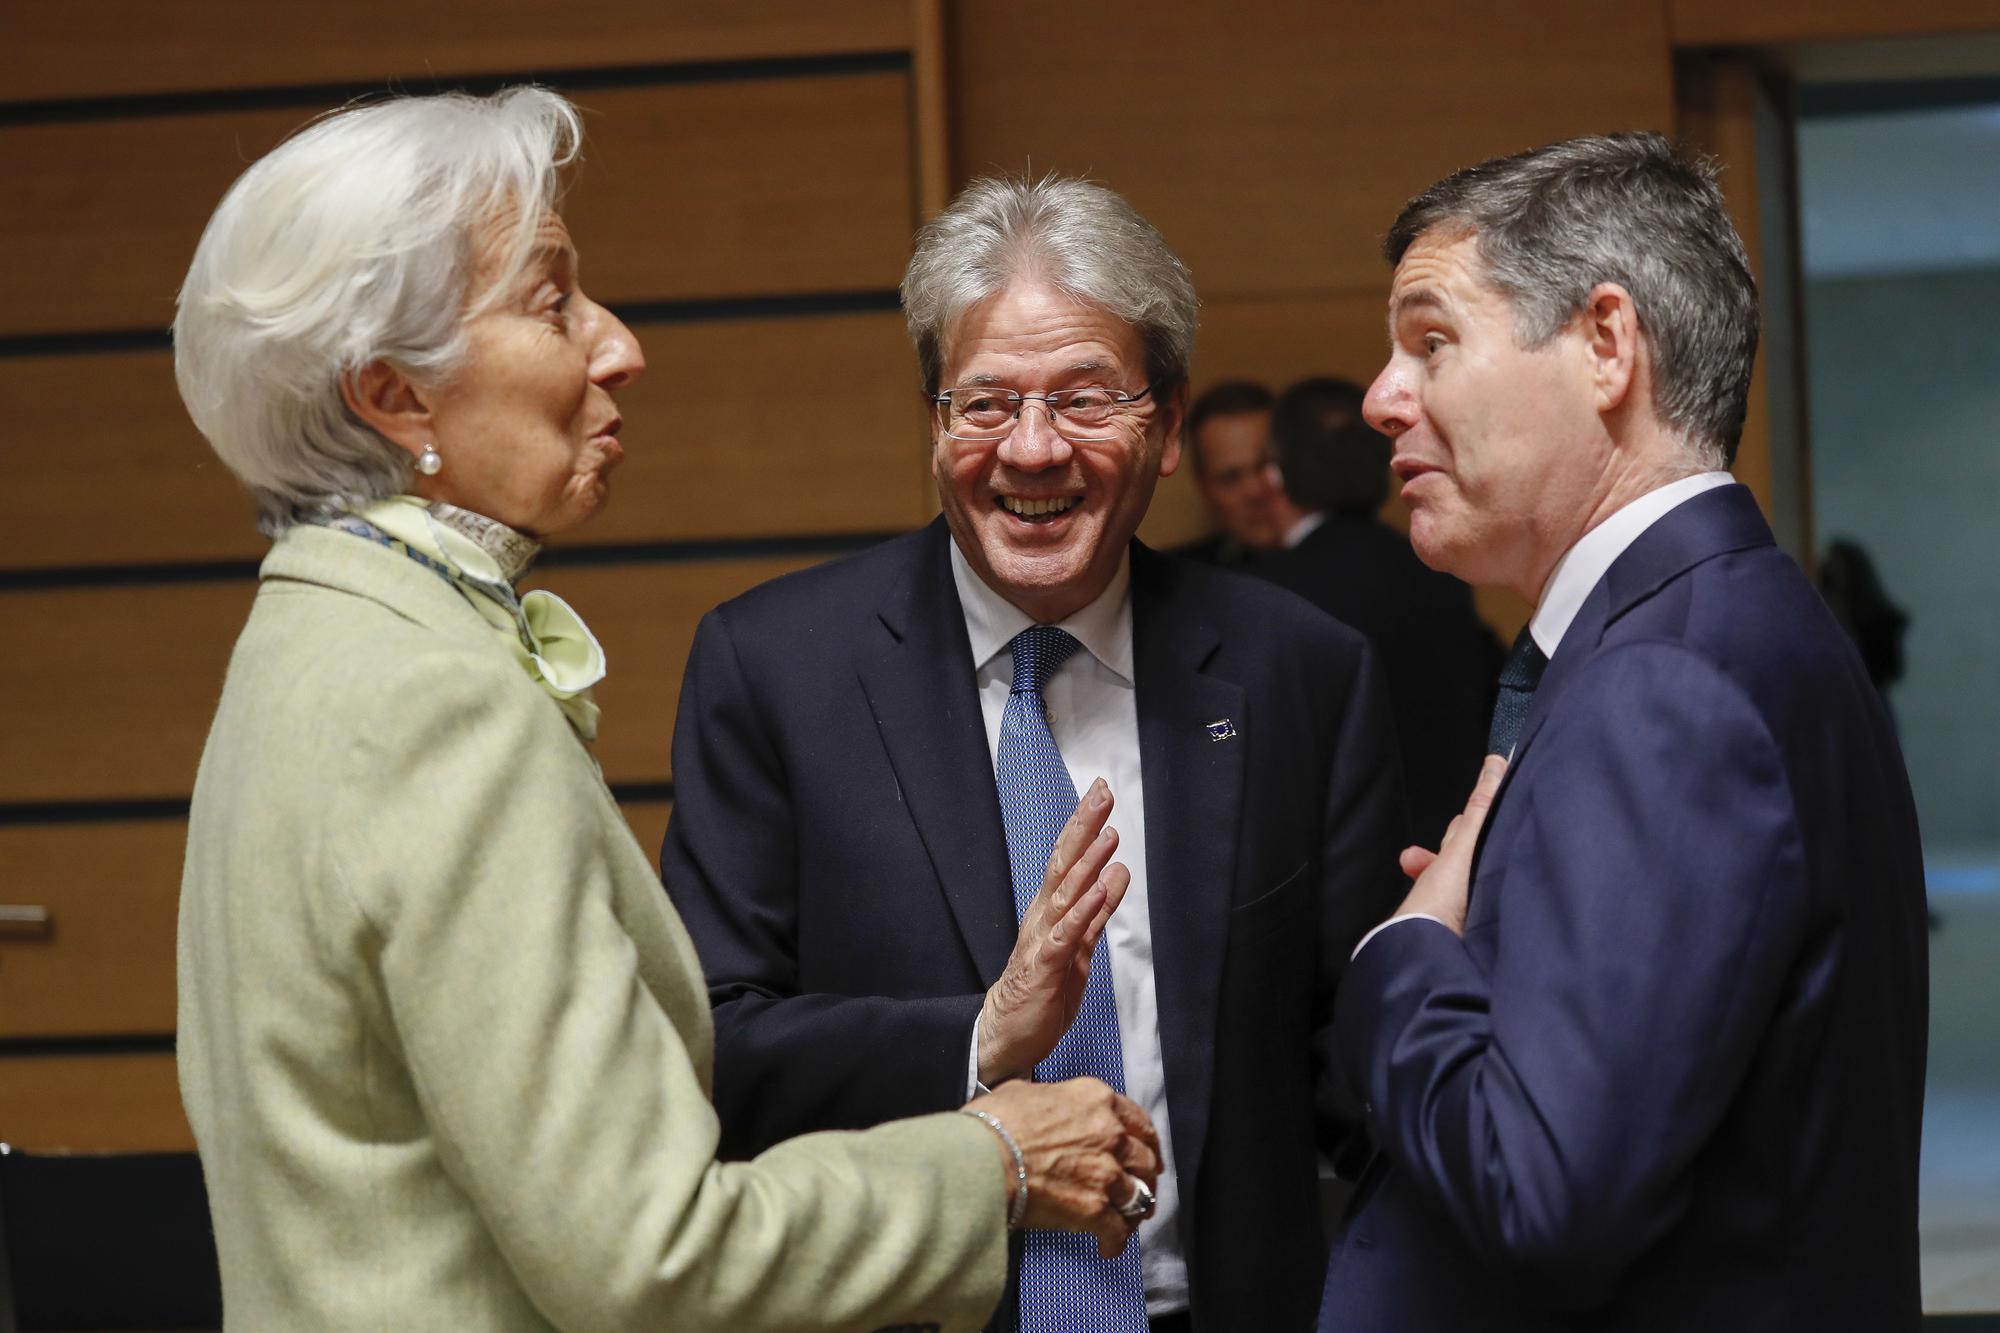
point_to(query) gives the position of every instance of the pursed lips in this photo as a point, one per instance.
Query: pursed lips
(604, 443)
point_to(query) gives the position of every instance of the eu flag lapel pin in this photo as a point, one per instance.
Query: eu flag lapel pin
(1221, 729)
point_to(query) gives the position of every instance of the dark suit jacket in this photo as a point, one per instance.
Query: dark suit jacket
(1672, 1077)
(1218, 548)
(1438, 657)
(837, 853)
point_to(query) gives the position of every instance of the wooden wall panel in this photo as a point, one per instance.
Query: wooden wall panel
(1733, 23)
(760, 427)
(111, 470)
(751, 427)
(1273, 141)
(761, 186)
(764, 186)
(649, 824)
(107, 964)
(101, 216)
(92, 1103)
(1282, 338)
(142, 46)
(645, 617)
(122, 712)
(126, 684)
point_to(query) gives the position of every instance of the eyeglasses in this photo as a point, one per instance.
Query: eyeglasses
(1078, 415)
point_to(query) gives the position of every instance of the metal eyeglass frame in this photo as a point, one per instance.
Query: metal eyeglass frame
(1020, 401)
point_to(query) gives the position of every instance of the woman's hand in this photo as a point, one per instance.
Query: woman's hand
(1087, 1150)
(1036, 997)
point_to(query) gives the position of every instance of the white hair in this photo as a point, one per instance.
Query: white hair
(355, 242)
(1075, 234)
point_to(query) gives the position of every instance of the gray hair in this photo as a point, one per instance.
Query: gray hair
(1079, 236)
(351, 243)
(1554, 222)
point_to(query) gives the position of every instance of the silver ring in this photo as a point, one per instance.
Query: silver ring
(1140, 1205)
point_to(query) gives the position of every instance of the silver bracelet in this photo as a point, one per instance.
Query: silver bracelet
(1020, 1208)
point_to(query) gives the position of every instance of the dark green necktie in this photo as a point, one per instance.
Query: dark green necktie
(1518, 679)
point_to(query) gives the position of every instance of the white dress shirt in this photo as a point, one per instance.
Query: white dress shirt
(1579, 570)
(1307, 525)
(1094, 717)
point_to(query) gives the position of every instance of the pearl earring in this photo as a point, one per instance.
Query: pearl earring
(430, 462)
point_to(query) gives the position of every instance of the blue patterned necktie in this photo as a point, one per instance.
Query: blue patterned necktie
(1518, 679)
(1065, 1285)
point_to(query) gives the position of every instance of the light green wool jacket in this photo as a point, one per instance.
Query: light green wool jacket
(445, 1045)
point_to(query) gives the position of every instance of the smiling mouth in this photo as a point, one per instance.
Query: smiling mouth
(1038, 511)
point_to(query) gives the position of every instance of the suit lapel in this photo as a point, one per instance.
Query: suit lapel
(1713, 523)
(919, 683)
(1194, 789)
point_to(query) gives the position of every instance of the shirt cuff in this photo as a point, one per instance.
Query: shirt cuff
(973, 1087)
(1407, 916)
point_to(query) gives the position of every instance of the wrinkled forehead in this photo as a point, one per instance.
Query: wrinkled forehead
(1034, 326)
(1443, 274)
(508, 246)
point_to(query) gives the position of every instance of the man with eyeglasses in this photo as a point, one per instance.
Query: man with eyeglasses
(872, 758)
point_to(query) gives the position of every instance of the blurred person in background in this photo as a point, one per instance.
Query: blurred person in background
(1229, 446)
(1437, 655)
(444, 1045)
(1853, 591)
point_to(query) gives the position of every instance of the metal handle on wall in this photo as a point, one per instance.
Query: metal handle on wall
(25, 921)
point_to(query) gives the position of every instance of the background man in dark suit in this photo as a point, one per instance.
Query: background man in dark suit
(1437, 655)
(1229, 446)
(864, 749)
(1665, 1070)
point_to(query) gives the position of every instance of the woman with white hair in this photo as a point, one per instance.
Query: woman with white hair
(445, 1047)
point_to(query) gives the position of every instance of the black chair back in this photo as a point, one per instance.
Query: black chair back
(105, 1241)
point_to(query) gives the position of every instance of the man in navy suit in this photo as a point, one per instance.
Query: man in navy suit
(1643, 1049)
(846, 766)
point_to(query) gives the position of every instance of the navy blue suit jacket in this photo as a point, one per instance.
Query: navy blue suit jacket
(1672, 1077)
(836, 850)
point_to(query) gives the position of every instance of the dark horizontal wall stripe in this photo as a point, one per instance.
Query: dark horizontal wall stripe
(642, 791)
(58, 577)
(85, 344)
(115, 1043)
(318, 96)
(126, 809)
(122, 810)
(707, 309)
(717, 548)
(869, 301)
(70, 577)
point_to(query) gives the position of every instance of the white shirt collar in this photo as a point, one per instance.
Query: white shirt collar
(1104, 627)
(1304, 528)
(1583, 564)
